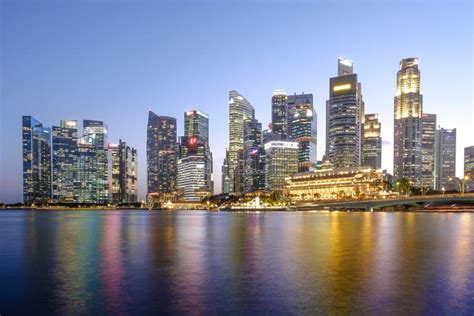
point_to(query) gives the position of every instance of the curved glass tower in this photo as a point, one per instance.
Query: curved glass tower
(239, 110)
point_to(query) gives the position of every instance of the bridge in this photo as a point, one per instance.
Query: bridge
(419, 202)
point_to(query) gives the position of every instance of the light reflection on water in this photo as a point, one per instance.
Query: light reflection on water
(119, 262)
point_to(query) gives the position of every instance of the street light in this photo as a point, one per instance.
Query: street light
(443, 189)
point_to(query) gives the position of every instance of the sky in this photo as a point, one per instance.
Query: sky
(115, 60)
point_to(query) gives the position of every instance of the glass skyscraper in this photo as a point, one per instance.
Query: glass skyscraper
(372, 141)
(161, 152)
(253, 157)
(239, 110)
(281, 162)
(123, 182)
(302, 125)
(99, 131)
(445, 159)
(428, 132)
(87, 182)
(195, 143)
(344, 112)
(36, 142)
(408, 109)
(64, 160)
(280, 114)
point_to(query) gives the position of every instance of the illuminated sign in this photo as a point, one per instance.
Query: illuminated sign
(342, 87)
(111, 146)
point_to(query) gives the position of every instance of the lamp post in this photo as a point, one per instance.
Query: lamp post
(464, 179)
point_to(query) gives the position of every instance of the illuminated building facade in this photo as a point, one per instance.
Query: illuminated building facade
(469, 168)
(86, 181)
(302, 125)
(280, 114)
(239, 111)
(225, 183)
(253, 157)
(99, 131)
(428, 132)
(408, 109)
(192, 177)
(445, 159)
(344, 112)
(195, 143)
(161, 152)
(372, 142)
(281, 161)
(123, 182)
(64, 160)
(36, 143)
(336, 183)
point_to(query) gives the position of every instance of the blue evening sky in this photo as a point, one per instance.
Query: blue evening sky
(114, 60)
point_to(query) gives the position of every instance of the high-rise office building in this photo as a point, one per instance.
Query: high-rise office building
(302, 127)
(64, 160)
(86, 180)
(225, 182)
(408, 109)
(239, 110)
(195, 143)
(372, 141)
(36, 142)
(99, 130)
(161, 152)
(344, 112)
(253, 157)
(280, 114)
(281, 161)
(445, 159)
(469, 168)
(428, 131)
(123, 182)
(192, 176)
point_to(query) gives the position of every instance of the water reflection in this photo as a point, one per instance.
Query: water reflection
(117, 262)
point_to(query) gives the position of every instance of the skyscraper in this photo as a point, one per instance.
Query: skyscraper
(123, 180)
(239, 111)
(280, 114)
(408, 108)
(344, 112)
(86, 180)
(192, 176)
(281, 161)
(302, 127)
(428, 131)
(64, 160)
(99, 131)
(445, 159)
(195, 143)
(469, 168)
(161, 152)
(253, 157)
(225, 182)
(372, 141)
(36, 141)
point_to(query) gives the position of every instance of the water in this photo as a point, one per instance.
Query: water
(138, 262)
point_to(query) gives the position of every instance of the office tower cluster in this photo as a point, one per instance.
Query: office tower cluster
(353, 138)
(260, 160)
(423, 153)
(60, 166)
(179, 169)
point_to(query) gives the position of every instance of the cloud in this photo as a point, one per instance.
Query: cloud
(386, 142)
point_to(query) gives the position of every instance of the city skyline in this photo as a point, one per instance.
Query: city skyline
(49, 111)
